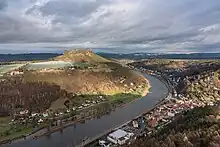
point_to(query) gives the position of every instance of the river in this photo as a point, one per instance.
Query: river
(75, 134)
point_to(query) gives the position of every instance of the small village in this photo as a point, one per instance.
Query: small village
(147, 124)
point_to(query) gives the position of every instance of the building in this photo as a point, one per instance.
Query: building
(12, 73)
(119, 137)
(45, 114)
(135, 124)
(152, 123)
(104, 143)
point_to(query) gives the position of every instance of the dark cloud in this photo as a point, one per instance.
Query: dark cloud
(67, 11)
(3, 5)
(70, 8)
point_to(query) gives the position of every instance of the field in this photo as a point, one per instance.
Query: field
(7, 68)
(49, 64)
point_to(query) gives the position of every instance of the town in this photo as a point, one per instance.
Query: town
(179, 100)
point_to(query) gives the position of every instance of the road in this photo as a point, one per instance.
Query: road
(77, 133)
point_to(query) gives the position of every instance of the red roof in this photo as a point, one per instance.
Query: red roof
(152, 123)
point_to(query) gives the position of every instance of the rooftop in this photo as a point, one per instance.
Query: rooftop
(118, 134)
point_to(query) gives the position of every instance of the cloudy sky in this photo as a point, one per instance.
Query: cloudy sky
(110, 25)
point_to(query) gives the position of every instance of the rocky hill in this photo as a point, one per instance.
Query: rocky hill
(80, 56)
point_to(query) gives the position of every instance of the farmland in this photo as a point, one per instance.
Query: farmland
(49, 64)
(7, 68)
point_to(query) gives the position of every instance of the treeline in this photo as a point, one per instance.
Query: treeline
(196, 128)
(16, 94)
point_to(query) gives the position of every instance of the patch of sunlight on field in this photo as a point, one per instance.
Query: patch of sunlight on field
(7, 68)
(49, 64)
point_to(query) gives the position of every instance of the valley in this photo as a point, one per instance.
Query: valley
(74, 87)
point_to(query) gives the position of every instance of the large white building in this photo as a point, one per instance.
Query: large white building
(119, 137)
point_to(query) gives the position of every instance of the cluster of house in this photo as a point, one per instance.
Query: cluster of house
(24, 116)
(16, 72)
(166, 112)
(89, 103)
(149, 122)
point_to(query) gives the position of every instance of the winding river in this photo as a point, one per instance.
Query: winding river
(75, 134)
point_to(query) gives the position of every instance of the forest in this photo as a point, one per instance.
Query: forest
(17, 95)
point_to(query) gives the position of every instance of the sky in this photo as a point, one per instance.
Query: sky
(165, 26)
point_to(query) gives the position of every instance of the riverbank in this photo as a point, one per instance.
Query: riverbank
(75, 134)
(125, 102)
(88, 143)
(43, 131)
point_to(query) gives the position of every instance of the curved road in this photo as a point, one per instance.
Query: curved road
(75, 134)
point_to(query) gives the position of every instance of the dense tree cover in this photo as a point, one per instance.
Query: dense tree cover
(16, 94)
(196, 128)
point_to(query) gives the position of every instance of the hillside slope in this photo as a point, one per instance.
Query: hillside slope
(109, 78)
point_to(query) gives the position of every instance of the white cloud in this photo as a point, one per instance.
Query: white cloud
(148, 25)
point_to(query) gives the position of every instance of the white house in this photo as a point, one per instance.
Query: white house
(45, 114)
(119, 137)
(135, 124)
(40, 120)
(104, 143)
(34, 114)
(171, 114)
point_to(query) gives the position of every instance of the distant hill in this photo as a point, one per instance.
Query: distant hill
(26, 57)
(139, 56)
(131, 56)
(80, 56)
